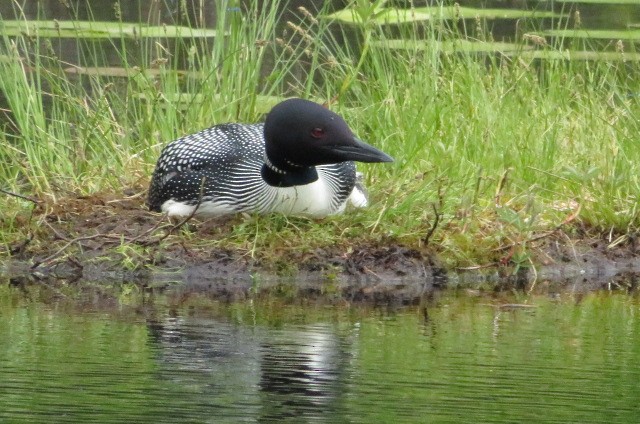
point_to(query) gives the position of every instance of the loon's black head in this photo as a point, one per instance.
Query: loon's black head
(300, 133)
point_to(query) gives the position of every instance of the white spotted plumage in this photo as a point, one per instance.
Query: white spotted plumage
(218, 170)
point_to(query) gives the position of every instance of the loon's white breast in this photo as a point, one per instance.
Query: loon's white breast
(317, 199)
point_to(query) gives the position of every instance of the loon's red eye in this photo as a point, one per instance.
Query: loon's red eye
(317, 132)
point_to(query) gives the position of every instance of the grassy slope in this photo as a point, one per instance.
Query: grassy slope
(501, 149)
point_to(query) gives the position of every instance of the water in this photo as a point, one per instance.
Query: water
(460, 359)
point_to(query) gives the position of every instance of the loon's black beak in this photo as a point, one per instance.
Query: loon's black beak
(360, 151)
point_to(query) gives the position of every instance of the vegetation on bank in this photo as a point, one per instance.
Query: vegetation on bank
(493, 152)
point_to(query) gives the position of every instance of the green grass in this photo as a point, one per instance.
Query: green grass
(502, 148)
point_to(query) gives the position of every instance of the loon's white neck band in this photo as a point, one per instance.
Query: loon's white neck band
(272, 166)
(277, 170)
(295, 165)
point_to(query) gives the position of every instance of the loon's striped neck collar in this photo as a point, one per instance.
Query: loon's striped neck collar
(272, 167)
(295, 175)
(287, 162)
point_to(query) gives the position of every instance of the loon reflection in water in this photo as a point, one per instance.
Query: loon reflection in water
(299, 372)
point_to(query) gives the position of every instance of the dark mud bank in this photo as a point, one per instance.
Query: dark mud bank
(395, 275)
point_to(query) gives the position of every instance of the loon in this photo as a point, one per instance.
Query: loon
(298, 162)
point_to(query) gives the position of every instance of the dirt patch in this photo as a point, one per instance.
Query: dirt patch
(105, 239)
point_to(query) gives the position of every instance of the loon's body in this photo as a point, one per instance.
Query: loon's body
(299, 162)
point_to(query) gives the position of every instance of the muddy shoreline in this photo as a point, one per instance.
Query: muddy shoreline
(395, 275)
(86, 243)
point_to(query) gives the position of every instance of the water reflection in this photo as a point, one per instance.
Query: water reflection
(296, 373)
(567, 359)
(303, 374)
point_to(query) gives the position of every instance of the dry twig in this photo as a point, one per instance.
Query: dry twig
(21, 196)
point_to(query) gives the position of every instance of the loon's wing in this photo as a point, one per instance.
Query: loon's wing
(193, 163)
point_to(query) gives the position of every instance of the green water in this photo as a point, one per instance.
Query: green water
(460, 359)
